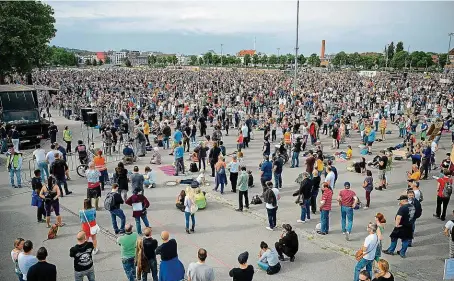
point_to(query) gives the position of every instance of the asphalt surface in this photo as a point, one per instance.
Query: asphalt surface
(225, 233)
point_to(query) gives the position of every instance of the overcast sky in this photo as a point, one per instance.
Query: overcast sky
(194, 27)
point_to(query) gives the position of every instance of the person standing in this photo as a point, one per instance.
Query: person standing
(325, 208)
(200, 271)
(221, 178)
(149, 249)
(14, 166)
(296, 153)
(179, 158)
(112, 204)
(40, 157)
(214, 157)
(368, 251)
(266, 172)
(305, 194)
(403, 227)
(53, 130)
(67, 137)
(139, 205)
(121, 176)
(243, 190)
(233, 167)
(245, 271)
(59, 169)
(137, 180)
(347, 200)
(83, 259)
(368, 185)
(14, 135)
(382, 163)
(87, 217)
(315, 189)
(26, 259)
(37, 201)
(278, 167)
(93, 186)
(189, 202)
(50, 193)
(4, 138)
(18, 248)
(127, 243)
(444, 191)
(170, 268)
(42, 270)
(100, 165)
(271, 197)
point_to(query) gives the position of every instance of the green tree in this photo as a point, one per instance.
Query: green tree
(94, 63)
(87, 62)
(399, 46)
(390, 51)
(247, 59)
(442, 60)
(314, 60)
(200, 61)
(108, 60)
(152, 60)
(273, 60)
(255, 59)
(368, 61)
(353, 59)
(290, 59)
(208, 58)
(216, 59)
(399, 60)
(26, 28)
(172, 59)
(192, 60)
(340, 59)
(100, 62)
(301, 59)
(60, 56)
(264, 60)
(282, 59)
(128, 63)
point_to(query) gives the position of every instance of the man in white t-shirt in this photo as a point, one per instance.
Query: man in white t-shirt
(26, 260)
(447, 230)
(41, 161)
(330, 177)
(272, 204)
(369, 250)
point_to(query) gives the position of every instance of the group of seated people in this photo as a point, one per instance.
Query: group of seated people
(199, 195)
(130, 157)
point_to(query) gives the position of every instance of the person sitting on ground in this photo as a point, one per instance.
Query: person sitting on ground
(180, 200)
(150, 178)
(155, 156)
(287, 244)
(128, 154)
(349, 153)
(268, 259)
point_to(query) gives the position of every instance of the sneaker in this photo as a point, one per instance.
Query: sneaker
(69, 192)
(365, 207)
(343, 233)
(436, 216)
(292, 259)
(321, 233)
(121, 232)
(192, 230)
(300, 221)
(388, 252)
(308, 220)
(402, 256)
(239, 210)
(269, 228)
(95, 251)
(41, 221)
(347, 236)
(19, 186)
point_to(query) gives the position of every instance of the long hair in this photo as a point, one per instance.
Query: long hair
(383, 265)
(142, 263)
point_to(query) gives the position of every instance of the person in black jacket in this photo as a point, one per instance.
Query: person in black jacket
(116, 211)
(121, 178)
(315, 188)
(167, 132)
(42, 270)
(201, 151)
(305, 193)
(418, 210)
(288, 244)
(213, 156)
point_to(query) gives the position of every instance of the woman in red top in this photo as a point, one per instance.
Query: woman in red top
(442, 200)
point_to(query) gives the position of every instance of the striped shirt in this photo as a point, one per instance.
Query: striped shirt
(327, 197)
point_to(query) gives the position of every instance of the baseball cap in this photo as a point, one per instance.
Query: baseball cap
(403, 197)
(347, 183)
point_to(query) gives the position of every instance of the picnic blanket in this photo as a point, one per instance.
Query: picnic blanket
(169, 170)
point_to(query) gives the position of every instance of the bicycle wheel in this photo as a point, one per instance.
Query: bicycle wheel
(81, 170)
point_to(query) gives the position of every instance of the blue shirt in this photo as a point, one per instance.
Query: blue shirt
(178, 136)
(371, 136)
(89, 215)
(179, 152)
(267, 168)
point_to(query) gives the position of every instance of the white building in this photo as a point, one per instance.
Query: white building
(84, 58)
(117, 58)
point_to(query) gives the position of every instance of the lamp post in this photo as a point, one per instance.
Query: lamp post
(386, 51)
(296, 45)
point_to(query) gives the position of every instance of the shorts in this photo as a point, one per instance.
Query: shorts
(381, 174)
(94, 192)
(52, 205)
(369, 143)
(86, 228)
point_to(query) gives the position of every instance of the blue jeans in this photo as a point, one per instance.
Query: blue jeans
(130, 268)
(165, 142)
(413, 227)
(16, 172)
(42, 166)
(154, 270)
(272, 213)
(220, 181)
(324, 221)
(263, 265)
(186, 217)
(145, 221)
(192, 140)
(306, 210)
(278, 180)
(376, 125)
(118, 213)
(347, 214)
(19, 275)
(362, 263)
(90, 273)
(295, 159)
(393, 245)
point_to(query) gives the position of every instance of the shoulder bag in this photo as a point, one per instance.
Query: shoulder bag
(93, 229)
(360, 253)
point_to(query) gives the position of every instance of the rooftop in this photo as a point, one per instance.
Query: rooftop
(242, 53)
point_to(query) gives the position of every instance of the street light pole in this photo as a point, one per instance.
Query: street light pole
(296, 45)
(386, 51)
(278, 49)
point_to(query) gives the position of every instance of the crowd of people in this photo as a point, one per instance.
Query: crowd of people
(174, 110)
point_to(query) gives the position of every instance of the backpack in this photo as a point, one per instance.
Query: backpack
(193, 167)
(53, 230)
(109, 201)
(256, 200)
(447, 190)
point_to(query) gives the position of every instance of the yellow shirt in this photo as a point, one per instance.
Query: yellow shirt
(416, 176)
(287, 138)
(320, 165)
(349, 154)
(146, 128)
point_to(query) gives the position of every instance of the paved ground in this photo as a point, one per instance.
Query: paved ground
(226, 233)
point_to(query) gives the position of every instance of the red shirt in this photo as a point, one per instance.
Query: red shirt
(442, 181)
(347, 197)
(327, 197)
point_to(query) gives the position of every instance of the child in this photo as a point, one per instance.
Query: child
(349, 152)
(150, 179)
(250, 180)
(36, 200)
(155, 156)
(239, 141)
